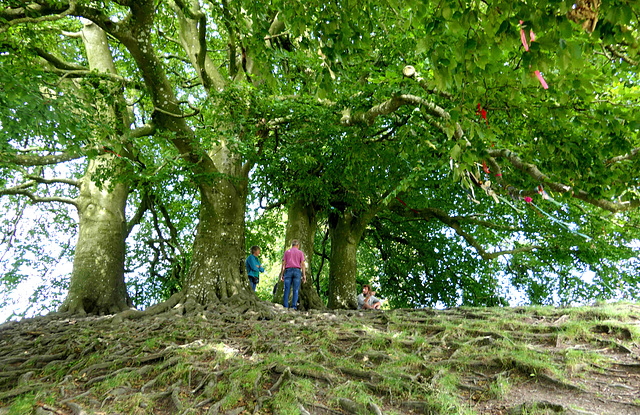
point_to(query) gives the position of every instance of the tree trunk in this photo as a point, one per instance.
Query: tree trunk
(217, 267)
(346, 232)
(301, 225)
(97, 281)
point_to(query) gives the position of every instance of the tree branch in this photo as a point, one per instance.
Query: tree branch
(533, 171)
(37, 160)
(393, 105)
(632, 154)
(57, 62)
(145, 204)
(42, 180)
(454, 223)
(233, 65)
(83, 73)
(144, 131)
(620, 55)
(36, 199)
(411, 73)
(197, 25)
(119, 30)
(48, 12)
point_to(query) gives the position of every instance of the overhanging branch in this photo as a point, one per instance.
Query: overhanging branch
(411, 73)
(57, 62)
(630, 155)
(145, 204)
(83, 73)
(37, 160)
(617, 53)
(42, 180)
(46, 12)
(143, 131)
(393, 104)
(454, 223)
(20, 190)
(533, 171)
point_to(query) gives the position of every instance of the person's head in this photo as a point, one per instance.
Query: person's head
(295, 243)
(366, 289)
(255, 250)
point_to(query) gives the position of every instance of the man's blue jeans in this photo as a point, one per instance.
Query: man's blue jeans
(253, 284)
(292, 276)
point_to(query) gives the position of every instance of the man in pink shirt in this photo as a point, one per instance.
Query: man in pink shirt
(292, 270)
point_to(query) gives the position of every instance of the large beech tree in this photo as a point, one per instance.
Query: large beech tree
(102, 122)
(493, 98)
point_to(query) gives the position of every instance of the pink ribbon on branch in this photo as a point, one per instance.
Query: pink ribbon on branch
(532, 36)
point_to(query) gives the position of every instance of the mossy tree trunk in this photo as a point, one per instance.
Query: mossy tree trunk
(217, 268)
(301, 225)
(346, 231)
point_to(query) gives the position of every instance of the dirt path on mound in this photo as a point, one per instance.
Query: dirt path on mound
(215, 360)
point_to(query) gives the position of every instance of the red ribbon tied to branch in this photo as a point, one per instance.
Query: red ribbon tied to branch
(108, 150)
(532, 36)
(485, 167)
(483, 114)
(405, 205)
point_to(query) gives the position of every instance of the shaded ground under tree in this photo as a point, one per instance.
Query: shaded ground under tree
(230, 360)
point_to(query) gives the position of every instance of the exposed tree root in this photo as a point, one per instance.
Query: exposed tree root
(348, 405)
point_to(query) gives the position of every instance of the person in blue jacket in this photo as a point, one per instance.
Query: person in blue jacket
(253, 266)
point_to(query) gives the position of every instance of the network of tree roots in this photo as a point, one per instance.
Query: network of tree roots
(227, 359)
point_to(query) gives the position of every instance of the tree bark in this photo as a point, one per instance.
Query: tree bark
(301, 225)
(345, 231)
(217, 268)
(97, 283)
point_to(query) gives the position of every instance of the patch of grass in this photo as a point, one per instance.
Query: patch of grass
(603, 311)
(116, 381)
(394, 383)
(530, 362)
(56, 372)
(133, 405)
(231, 399)
(445, 403)
(355, 391)
(23, 404)
(577, 360)
(409, 360)
(151, 343)
(290, 394)
(244, 378)
(500, 387)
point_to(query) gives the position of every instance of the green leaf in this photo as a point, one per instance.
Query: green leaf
(421, 46)
(455, 152)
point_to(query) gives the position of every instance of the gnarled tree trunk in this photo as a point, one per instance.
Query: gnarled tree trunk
(301, 225)
(217, 268)
(346, 231)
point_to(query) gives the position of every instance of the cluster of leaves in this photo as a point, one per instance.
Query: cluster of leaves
(335, 61)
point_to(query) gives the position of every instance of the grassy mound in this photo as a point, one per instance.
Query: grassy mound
(219, 361)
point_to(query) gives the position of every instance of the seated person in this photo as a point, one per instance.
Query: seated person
(367, 299)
